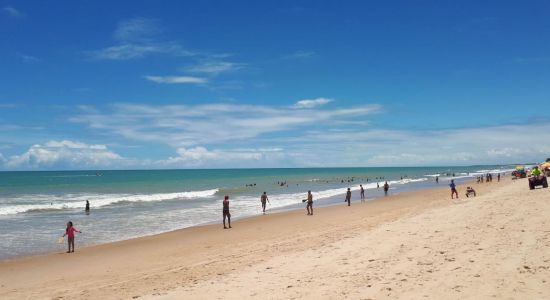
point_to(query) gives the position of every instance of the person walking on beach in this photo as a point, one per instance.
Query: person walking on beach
(348, 197)
(386, 188)
(264, 199)
(309, 203)
(226, 213)
(453, 189)
(362, 193)
(69, 232)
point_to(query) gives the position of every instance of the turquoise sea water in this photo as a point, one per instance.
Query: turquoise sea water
(35, 206)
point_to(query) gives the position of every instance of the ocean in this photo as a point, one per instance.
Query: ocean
(35, 206)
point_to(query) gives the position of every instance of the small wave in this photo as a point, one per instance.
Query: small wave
(229, 191)
(98, 200)
(433, 175)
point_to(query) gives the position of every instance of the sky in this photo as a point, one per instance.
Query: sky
(239, 84)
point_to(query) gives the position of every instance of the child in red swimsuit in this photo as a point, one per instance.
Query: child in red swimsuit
(70, 233)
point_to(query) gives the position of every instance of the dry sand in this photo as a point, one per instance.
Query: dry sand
(417, 245)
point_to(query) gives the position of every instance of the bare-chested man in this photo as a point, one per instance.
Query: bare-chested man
(226, 213)
(309, 203)
(264, 199)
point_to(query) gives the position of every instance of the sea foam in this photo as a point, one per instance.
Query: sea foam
(72, 201)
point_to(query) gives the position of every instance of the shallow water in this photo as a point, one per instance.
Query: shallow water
(35, 206)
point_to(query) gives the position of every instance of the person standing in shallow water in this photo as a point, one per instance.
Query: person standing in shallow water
(386, 188)
(69, 232)
(226, 213)
(309, 203)
(362, 193)
(348, 197)
(87, 209)
(264, 199)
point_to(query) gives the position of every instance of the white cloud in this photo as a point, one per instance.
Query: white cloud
(201, 153)
(28, 59)
(234, 146)
(462, 146)
(300, 55)
(9, 127)
(137, 30)
(177, 79)
(12, 12)
(215, 68)
(65, 155)
(202, 157)
(310, 103)
(193, 125)
(504, 152)
(525, 60)
(7, 105)
(133, 51)
(309, 134)
(138, 38)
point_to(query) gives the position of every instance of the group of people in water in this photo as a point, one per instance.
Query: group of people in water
(284, 183)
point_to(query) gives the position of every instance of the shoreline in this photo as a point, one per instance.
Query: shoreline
(32, 219)
(278, 210)
(209, 262)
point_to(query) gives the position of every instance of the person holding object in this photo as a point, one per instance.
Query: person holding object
(348, 197)
(309, 203)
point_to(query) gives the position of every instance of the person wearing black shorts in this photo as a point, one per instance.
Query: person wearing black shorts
(264, 199)
(226, 213)
(309, 203)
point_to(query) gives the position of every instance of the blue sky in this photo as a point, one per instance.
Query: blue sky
(208, 84)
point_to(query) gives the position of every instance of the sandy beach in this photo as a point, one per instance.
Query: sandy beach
(415, 245)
